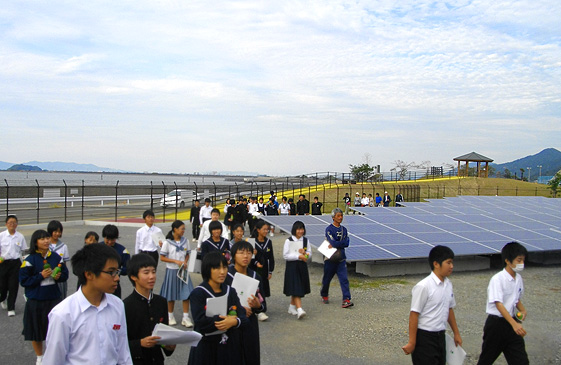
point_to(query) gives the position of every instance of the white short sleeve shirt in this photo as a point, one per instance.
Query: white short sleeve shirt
(432, 299)
(12, 245)
(505, 289)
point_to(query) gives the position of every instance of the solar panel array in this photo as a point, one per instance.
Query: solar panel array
(469, 225)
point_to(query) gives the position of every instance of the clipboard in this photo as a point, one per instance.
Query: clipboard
(245, 287)
(157, 237)
(455, 355)
(325, 250)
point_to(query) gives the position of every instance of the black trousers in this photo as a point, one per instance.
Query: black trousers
(499, 337)
(154, 254)
(430, 348)
(196, 230)
(9, 282)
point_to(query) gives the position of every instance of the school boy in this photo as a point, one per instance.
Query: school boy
(143, 310)
(110, 234)
(195, 220)
(338, 237)
(89, 326)
(316, 206)
(503, 332)
(12, 243)
(205, 232)
(144, 242)
(432, 306)
(302, 206)
(205, 213)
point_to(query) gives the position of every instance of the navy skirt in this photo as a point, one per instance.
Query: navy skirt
(296, 279)
(36, 319)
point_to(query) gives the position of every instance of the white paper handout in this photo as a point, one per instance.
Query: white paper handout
(252, 243)
(325, 250)
(245, 287)
(183, 274)
(194, 265)
(174, 336)
(454, 355)
(157, 237)
(294, 246)
(217, 306)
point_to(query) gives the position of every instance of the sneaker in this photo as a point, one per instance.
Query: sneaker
(325, 300)
(171, 321)
(187, 322)
(272, 234)
(11, 313)
(301, 313)
(347, 304)
(194, 240)
(292, 310)
(39, 360)
(262, 317)
(4, 305)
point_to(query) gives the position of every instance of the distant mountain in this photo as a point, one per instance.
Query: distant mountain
(70, 166)
(549, 159)
(21, 167)
(5, 165)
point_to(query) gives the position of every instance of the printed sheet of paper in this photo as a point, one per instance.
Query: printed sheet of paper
(174, 336)
(325, 250)
(245, 287)
(157, 237)
(194, 264)
(252, 243)
(183, 274)
(294, 246)
(216, 307)
(454, 355)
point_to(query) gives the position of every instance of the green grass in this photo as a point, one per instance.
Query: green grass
(367, 283)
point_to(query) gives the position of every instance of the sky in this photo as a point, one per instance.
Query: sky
(277, 87)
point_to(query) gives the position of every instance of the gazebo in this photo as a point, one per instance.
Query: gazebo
(473, 157)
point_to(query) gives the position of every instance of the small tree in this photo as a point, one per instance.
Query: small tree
(361, 172)
(402, 168)
(554, 183)
(508, 175)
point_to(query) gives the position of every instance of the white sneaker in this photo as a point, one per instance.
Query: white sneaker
(39, 360)
(194, 240)
(262, 317)
(292, 310)
(272, 234)
(301, 313)
(11, 313)
(4, 305)
(187, 322)
(171, 321)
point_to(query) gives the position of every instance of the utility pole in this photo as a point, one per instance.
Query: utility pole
(540, 175)
(529, 172)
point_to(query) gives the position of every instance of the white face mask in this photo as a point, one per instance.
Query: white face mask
(519, 268)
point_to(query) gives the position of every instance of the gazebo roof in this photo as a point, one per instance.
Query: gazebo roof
(472, 156)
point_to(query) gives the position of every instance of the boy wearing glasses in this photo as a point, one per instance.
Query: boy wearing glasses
(89, 327)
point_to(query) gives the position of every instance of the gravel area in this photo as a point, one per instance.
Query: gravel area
(371, 332)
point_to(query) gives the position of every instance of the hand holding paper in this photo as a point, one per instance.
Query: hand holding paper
(172, 336)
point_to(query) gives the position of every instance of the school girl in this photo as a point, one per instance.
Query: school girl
(91, 237)
(217, 348)
(41, 291)
(241, 257)
(296, 276)
(54, 228)
(175, 252)
(216, 242)
(264, 263)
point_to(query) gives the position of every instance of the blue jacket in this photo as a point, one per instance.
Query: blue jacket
(31, 279)
(124, 255)
(338, 237)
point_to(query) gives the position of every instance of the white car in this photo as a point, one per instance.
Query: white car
(172, 199)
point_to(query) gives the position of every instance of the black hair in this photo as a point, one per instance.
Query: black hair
(378, 194)
(440, 254)
(148, 213)
(236, 226)
(54, 226)
(37, 235)
(258, 225)
(233, 201)
(215, 210)
(240, 246)
(196, 200)
(512, 250)
(302, 195)
(176, 224)
(207, 200)
(291, 200)
(283, 198)
(137, 262)
(298, 225)
(214, 225)
(315, 197)
(10, 217)
(110, 231)
(212, 260)
(90, 234)
(92, 258)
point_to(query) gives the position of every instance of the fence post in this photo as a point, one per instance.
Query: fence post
(65, 198)
(536, 194)
(478, 188)
(7, 197)
(116, 197)
(164, 205)
(38, 188)
(83, 188)
(151, 196)
(176, 199)
(214, 203)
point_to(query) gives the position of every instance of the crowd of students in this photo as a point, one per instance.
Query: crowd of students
(91, 326)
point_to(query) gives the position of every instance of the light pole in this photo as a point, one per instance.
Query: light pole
(540, 175)
(529, 172)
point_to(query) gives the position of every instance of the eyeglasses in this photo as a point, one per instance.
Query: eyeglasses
(113, 273)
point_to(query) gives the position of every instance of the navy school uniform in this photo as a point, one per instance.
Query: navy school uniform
(221, 348)
(250, 333)
(125, 256)
(42, 294)
(296, 276)
(209, 245)
(265, 257)
(142, 316)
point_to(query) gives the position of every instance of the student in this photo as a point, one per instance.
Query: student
(229, 218)
(364, 202)
(264, 263)
(89, 326)
(284, 207)
(337, 237)
(216, 242)
(271, 209)
(241, 258)
(370, 200)
(143, 310)
(347, 201)
(41, 289)
(91, 237)
(387, 200)
(296, 276)
(432, 305)
(398, 199)
(302, 206)
(261, 206)
(316, 206)
(206, 211)
(195, 220)
(357, 201)
(221, 348)
(110, 234)
(12, 244)
(205, 232)
(292, 206)
(175, 252)
(144, 242)
(57, 246)
(503, 332)
(378, 199)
